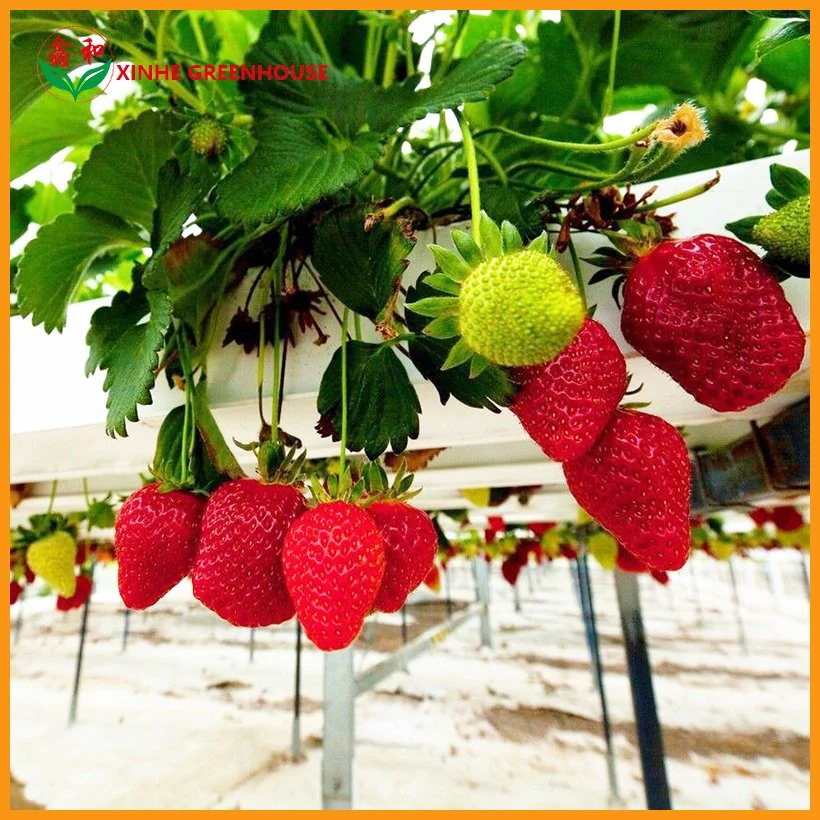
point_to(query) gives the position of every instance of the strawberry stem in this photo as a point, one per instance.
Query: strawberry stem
(689, 193)
(260, 369)
(613, 58)
(51, 497)
(276, 387)
(343, 445)
(472, 176)
(578, 147)
(578, 277)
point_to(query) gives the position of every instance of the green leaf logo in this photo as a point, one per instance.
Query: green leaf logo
(60, 79)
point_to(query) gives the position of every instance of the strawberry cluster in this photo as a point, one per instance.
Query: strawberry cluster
(257, 554)
(708, 312)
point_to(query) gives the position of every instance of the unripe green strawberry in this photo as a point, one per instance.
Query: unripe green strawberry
(208, 137)
(785, 233)
(509, 305)
(52, 558)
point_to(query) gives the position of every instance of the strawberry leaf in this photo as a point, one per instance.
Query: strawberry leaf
(315, 138)
(360, 268)
(121, 174)
(125, 340)
(383, 408)
(55, 262)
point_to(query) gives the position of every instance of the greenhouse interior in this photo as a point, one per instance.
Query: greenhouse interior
(409, 409)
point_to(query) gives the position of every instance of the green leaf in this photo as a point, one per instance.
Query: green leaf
(742, 228)
(18, 212)
(444, 327)
(467, 247)
(48, 21)
(451, 263)
(122, 172)
(47, 203)
(55, 262)
(459, 354)
(489, 389)
(490, 236)
(44, 128)
(361, 268)
(443, 283)
(25, 85)
(178, 195)
(125, 340)
(435, 306)
(383, 408)
(296, 163)
(789, 182)
(101, 514)
(315, 138)
(189, 273)
(785, 34)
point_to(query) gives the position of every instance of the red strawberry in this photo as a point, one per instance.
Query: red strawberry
(787, 518)
(565, 403)
(30, 576)
(540, 527)
(155, 537)
(627, 562)
(635, 482)
(510, 569)
(568, 551)
(661, 576)
(334, 560)
(238, 569)
(81, 594)
(710, 313)
(433, 579)
(760, 516)
(410, 543)
(14, 594)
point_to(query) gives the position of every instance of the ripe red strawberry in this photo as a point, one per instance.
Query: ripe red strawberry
(511, 568)
(81, 594)
(760, 516)
(787, 518)
(14, 594)
(661, 576)
(710, 313)
(30, 576)
(635, 481)
(568, 551)
(334, 560)
(155, 538)
(238, 568)
(410, 543)
(564, 404)
(627, 562)
(433, 579)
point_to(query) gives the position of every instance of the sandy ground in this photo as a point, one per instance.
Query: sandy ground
(184, 719)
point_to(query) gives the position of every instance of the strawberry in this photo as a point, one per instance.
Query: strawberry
(635, 481)
(627, 562)
(155, 538)
(661, 576)
(52, 558)
(14, 594)
(710, 313)
(433, 579)
(564, 404)
(760, 516)
(334, 562)
(509, 304)
(786, 518)
(238, 568)
(80, 596)
(410, 543)
(510, 569)
(208, 137)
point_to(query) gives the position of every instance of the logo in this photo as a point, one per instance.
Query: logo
(62, 56)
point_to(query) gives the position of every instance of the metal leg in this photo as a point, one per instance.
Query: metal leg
(72, 709)
(338, 745)
(296, 731)
(695, 576)
(741, 628)
(18, 623)
(404, 625)
(774, 580)
(126, 628)
(251, 644)
(804, 566)
(647, 724)
(516, 597)
(482, 580)
(530, 577)
(591, 631)
(448, 599)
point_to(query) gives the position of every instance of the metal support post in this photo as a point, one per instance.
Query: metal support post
(647, 724)
(338, 737)
(591, 631)
(741, 628)
(516, 597)
(448, 598)
(251, 644)
(75, 692)
(482, 580)
(296, 730)
(126, 628)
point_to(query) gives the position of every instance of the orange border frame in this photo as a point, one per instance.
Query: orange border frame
(624, 5)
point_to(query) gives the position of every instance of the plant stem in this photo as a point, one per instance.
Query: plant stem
(85, 492)
(697, 190)
(161, 30)
(51, 497)
(391, 210)
(408, 47)
(343, 445)
(472, 176)
(558, 167)
(578, 277)
(498, 168)
(276, 405)
(197, 29)
(579, 147)
(317, 35)
(357, 326)
(389, 73)
(260, 368)
(613, 58)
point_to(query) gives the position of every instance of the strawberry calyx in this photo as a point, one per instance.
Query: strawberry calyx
(363, 486)
(279, 460)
